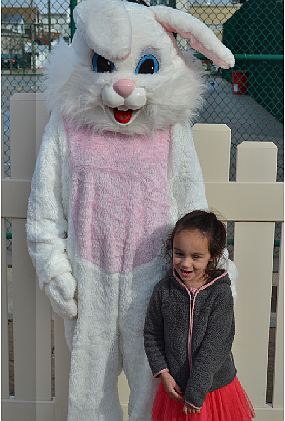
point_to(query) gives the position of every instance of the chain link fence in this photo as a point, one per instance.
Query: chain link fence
(248, 98)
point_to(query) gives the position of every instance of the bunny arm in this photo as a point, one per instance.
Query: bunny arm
(46, 222)
(61, 291)
(188, 186)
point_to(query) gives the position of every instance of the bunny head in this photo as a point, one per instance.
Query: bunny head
(124, 72)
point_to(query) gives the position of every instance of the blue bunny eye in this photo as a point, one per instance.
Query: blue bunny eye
(101, 64)
(148, 64)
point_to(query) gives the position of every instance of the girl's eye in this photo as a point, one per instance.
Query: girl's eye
(196, 257)
(101, 64)
(178, 254)
(147, 65)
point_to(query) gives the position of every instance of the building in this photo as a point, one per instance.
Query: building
(213, 15)
(17, 25)
(32, 34)
(55, 24)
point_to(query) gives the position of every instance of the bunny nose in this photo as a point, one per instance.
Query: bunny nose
(124, 87)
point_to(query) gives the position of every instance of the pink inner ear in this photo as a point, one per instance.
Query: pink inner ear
(196, 44)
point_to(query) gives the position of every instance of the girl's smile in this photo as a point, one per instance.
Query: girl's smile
(191, 256)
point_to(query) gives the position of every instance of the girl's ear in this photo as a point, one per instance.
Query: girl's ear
(201, 37)
(214, 258)
(211, 265)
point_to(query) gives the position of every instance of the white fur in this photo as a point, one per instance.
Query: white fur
(105, 26)
(74, 90)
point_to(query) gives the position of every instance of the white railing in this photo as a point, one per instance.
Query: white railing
(254, 202)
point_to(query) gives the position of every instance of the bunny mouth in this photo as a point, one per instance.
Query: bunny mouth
(123, 117)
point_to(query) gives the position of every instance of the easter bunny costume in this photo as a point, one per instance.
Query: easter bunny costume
(116, 169)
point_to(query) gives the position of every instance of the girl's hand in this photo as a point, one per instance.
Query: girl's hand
(171, 387)
(189, 409)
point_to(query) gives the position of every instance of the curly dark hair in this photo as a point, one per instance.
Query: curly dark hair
(208, 225)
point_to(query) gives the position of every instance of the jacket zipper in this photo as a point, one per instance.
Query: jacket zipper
(192, 298)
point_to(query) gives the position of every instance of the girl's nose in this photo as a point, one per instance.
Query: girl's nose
(187, 263)
(124, 87)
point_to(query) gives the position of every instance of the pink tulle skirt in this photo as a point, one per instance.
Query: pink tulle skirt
(230, 403)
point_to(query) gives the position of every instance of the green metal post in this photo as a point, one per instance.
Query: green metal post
(260, 57)
(73, 4)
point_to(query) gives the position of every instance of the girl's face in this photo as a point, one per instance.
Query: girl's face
(190, 257)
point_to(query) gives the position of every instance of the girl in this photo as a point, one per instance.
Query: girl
(190, 327)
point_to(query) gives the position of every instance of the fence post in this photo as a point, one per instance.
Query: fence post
(124, 394)
(253, 256)
(4, 298)
(62, 368)
(32, 314)
(213, 145)
(278, 386)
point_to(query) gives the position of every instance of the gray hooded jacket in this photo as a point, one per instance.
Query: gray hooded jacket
(191, 335)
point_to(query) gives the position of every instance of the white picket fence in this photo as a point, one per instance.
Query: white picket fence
(254, 202)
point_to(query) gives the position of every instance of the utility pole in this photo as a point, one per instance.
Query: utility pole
(33, 37)
(49, 27)
(73, 4)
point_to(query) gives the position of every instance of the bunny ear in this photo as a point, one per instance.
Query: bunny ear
(201, 37)
(98, 22)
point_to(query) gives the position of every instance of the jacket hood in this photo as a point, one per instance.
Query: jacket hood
(220, 277)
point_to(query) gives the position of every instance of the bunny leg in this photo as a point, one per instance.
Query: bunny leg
(96, 360)
(132, 310)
